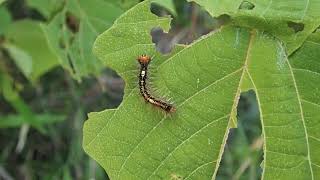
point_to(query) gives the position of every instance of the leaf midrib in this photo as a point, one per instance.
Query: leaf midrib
(302, 116)
(236, 100)
(301, 113)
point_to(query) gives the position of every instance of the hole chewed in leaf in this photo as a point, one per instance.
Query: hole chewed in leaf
(187, 25)
(244, 144)
(246, 5)
(163, 41)
(224, 19)
(297, 27)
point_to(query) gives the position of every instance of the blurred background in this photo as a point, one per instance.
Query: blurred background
(50, 80)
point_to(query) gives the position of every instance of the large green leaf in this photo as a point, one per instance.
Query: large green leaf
(290, 20)
(139, 141)
(71, 33)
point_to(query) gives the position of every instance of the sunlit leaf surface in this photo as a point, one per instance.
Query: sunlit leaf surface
(204, 79)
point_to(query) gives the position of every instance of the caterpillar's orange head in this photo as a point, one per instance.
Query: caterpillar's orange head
(144, 59)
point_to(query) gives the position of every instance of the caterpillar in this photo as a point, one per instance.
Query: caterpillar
(144, 61)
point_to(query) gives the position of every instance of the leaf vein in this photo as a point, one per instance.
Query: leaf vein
(184, 141)
(195, 170)
(306, 70)
(302, 117)
(312, 137)
(282, 168)
(286, 154)
(315, 104)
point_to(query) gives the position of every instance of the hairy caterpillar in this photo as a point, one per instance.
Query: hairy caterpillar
(144, 61)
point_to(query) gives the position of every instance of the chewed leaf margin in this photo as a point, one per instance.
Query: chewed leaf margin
(291, 22)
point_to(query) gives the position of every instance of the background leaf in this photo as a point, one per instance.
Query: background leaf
(46, 7)
(71, 34)
(22, 59)
(168, 4)
(124, 4)
(5, 19)
(31, 52)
